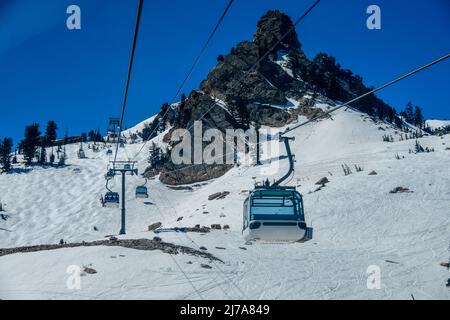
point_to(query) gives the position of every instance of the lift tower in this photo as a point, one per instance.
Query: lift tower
(124, 168)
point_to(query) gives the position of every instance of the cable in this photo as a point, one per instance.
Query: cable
(187, 278)
(370, 92)
(191, 70)
(130, 68)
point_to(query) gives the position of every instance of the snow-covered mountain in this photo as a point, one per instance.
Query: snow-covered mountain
(389, 216)
(358, 223)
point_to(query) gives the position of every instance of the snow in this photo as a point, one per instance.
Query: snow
(437, 124)
(357, 224)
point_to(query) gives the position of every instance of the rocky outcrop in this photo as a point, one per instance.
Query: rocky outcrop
(180, 175)
(241, 90)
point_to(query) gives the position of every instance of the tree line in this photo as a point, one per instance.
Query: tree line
(33, 147)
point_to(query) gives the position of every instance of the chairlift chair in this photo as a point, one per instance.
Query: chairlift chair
(111, 200)
(142, 191)
(110, 174)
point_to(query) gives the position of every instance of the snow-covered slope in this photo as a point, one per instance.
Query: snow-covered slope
(437, 124)
(357, 224)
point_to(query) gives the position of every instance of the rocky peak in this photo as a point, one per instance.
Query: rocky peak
(272, 27)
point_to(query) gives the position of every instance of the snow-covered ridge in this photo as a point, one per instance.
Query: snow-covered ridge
(437, 124)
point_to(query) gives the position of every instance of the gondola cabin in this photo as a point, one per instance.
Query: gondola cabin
(275, 214)
(111, 200)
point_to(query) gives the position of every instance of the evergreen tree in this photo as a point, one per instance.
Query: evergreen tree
(92, 136)
(43, 154)
(408, 114)
(52, 158)
(5, 154)
(183, 102)
(50, 132)
(398, 122)
(31, 142)
(418, 117)
(155, 156)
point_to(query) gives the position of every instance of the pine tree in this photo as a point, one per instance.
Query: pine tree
(52, 158)
(408, 114)
(92, 136)
(183, 102)
(155, 156)
(50, 133)
(43, 155)
(31, 142)
(5, 154)
(418, 117)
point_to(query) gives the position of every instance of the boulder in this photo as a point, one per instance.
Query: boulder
(154, 226)
(322, 182)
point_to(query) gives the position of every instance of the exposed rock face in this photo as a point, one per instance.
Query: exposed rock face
(177, 175)
(271, 28)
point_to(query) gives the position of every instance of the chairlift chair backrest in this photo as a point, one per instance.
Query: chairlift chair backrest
(112, 200)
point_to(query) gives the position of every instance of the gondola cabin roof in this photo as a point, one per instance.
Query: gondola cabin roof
(261, 192)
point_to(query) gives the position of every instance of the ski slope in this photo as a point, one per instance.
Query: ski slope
(357, 224)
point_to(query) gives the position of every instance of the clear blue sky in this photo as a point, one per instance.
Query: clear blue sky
(77, 77)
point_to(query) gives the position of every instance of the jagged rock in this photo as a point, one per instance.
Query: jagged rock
(206, 266)
(203, 249)
(226, 227)
(322, 182)
(89, 270)
(154, 226)
(180, 175)
(179, 219)
(401, 190)
(216, 227)
(218, 196)
(272, 27)
(373, 173)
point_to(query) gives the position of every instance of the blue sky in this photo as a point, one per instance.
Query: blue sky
(77, 77)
